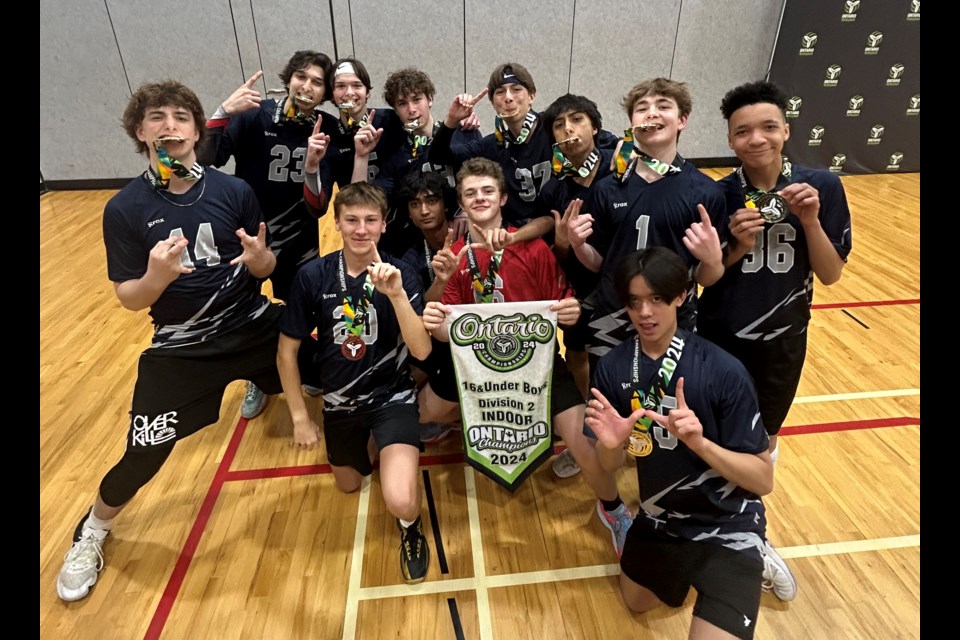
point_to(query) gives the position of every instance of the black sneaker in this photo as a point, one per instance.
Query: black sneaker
(414, 552)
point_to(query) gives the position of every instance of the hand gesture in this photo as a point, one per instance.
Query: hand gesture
(434, 315)
(462, 107)
(470, 123)
(561, 237)
(492, 240)
(804, 201)
(367, 137)
(445, 261)
(245, 97)
(254, 247)
(579, 226)
(611, 429)
(702, 241)
(568, 311)
(460, 223)
(682, 422)
(744, 226)
(306, 435)
(317, 145)
(165, 261)
(385, 277)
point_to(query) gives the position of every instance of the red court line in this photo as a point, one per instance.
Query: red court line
(828, 427)
(193, 539)
(867, 303)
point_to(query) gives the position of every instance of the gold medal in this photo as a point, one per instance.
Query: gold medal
(353, 348)
(773, 207)
(641, 445)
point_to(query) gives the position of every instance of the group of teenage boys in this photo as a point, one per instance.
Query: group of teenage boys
(619, 232)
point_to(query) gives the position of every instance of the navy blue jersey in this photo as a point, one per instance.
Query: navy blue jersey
(382, 376)
(270, 153)
(679, 492)
(769, 292)
(634, 215)
(216, 297)
(337, 165)
(526, 167)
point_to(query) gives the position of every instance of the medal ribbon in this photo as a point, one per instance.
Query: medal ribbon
(502, 131)
(419, 142)
(354, 316)
(626, 161)
(562, 167)
(483, 287)
(751, 194)
(352, 125)
(167, 167)
(652, 398)
(292, 114)
(429, 257)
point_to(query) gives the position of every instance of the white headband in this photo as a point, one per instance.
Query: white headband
(345, 67)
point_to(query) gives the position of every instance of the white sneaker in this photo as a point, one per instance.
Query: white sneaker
(81, 565)
(564, 466)
(776, 574)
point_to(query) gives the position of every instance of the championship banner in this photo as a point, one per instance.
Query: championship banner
(503, 357)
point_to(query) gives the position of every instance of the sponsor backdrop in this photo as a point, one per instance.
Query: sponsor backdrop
(852, 70)
(503, 356)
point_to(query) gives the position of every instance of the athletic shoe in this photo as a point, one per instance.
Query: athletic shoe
(414, 552)
(564, 466)
(313, 392)
(434, 432)
(776, 574)
(617, 521)
(253, 402)
(81, 564)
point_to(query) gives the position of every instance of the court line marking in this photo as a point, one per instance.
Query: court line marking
(484, 619)
(352, 609)
(859, 395)
(606, 570)
(852, 425)
(865, 303)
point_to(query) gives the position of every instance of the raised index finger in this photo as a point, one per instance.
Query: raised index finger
(316, 127)
(253, 79)
(479, 96)
(448, 241)
(604, 403)
(704, 216)
(376, 254)
(681, 401)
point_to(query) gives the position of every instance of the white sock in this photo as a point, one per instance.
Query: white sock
(93, 522)
(406, 524)
(775, 454)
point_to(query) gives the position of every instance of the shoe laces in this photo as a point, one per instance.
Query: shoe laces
(251, 394)
(409, 533)
(86, 553)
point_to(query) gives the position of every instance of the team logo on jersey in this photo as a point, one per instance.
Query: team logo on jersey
(807, 43)
(147, 432)
(502, 343)
(850, 8)
(833, 75)
(913, 107)
(876, 132)
(895, 74)
(895, 159)
(853, 106)
(793, 106)
(836, 162)
(913, 14)
(816, 136)
(873, 44)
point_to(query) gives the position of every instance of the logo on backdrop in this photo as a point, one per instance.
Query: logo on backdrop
(833, 75)
(853, 107)
(895, 159)
(850, 8)
(895, 75)
(807, 44)
(836, 162)
(876, 132)
(816, 136)
(913, 14)
(913, 106)
(873, 44)
(793, 106)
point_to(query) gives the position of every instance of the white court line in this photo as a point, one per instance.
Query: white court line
(483, 582)
(356, 564)
(862, 395)
(479, 566)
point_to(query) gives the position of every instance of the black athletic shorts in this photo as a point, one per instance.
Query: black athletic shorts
(346, 434)
(775, 366)
(728, 582)
(179, 389)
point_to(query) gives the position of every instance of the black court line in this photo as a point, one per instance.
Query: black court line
(455, 618)
(432, 508)
(856, 319)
